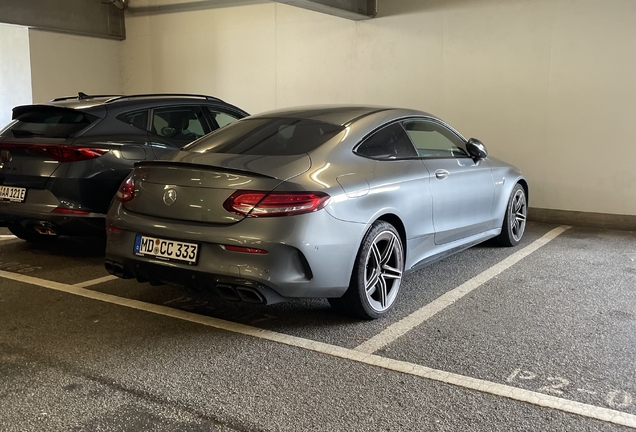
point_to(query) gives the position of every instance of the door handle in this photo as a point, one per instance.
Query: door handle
(441, 174)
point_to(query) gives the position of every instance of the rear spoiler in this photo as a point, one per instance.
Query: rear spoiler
(23, 109)
(160, 163)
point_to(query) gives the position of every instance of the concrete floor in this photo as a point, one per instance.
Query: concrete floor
(545, 343)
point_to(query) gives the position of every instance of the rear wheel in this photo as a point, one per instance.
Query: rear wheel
(377, 274)
(514, 224)
(30, 235)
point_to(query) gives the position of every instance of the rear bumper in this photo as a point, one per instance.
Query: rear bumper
(232, 288)
(309, 255)
(37, 211)
(77, 225)
(85, 185)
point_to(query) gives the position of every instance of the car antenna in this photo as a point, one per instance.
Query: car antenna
(82, 96)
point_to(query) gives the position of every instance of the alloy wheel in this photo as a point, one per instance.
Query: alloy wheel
(518, 211)
(383, 273)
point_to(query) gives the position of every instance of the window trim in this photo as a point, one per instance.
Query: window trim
(401, 120)
(147, 127)
(375, 131)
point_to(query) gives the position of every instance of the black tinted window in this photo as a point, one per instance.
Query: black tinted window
(49, 123)
(179, 123)
(222, 118)
(390, 142)
(267, 137)
(138, 119)
(182, 123)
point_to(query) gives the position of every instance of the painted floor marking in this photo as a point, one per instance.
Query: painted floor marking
(502, 390)
(96, 281)
(400, 328)
(5, 237)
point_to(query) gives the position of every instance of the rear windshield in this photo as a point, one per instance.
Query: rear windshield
(267, 137)
(49, 123)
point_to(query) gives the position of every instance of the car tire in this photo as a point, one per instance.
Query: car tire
(30, 235)
(514, 223)
(376, 276)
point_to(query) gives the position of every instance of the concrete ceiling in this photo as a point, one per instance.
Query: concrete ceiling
(85, 17)
(105, 18)
(350, 9)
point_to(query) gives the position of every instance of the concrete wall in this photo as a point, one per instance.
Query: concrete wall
(63, 65)
(229, 53)
(549, 85)
(15, 70)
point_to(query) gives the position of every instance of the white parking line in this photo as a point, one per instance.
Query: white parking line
(5, 237)
(96, 281)
(398, 329)
(514, 393)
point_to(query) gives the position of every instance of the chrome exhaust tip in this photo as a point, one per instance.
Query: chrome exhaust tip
(226, 292)
(116, 269)
(43, 230)
(108, 265)
(249, 295)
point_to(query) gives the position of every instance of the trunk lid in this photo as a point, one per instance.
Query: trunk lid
(22, 163)
(193, 187)
(34, 144)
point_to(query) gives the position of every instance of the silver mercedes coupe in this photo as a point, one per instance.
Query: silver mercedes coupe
(337, 202)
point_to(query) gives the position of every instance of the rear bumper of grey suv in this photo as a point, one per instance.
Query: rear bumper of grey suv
(79, 225)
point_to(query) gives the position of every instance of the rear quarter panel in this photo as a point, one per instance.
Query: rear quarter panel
(364, 190)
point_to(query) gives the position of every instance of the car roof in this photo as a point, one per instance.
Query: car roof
(83, 101)
(337, 114)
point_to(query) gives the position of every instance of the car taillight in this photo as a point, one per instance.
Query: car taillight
(126, 190)
(262, 204)
(60, 153)
(69, 153)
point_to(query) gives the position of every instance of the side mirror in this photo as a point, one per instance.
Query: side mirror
(476, 149)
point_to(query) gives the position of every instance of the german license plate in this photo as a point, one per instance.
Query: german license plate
(167, 250)
(12, 194)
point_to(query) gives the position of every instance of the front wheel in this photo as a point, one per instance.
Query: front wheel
(377, 274)
(514, 224)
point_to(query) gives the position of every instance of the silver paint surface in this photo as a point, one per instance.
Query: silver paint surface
(436, 215)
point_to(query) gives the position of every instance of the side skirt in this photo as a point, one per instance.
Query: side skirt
(455, 247)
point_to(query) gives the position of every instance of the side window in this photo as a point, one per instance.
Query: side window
(180, 123)
(390, 142)
(138, 119)
(432, 140)
(222, 118)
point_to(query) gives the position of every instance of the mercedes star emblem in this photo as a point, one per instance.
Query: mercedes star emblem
(170, 196)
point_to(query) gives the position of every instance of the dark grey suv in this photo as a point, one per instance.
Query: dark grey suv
(62, 162)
